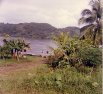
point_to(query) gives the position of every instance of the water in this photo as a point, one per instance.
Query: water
(38, 47)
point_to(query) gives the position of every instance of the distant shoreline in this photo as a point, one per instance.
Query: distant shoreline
(38, 46)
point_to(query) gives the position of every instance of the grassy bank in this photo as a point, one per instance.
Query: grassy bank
(43, 80)
(28, 58)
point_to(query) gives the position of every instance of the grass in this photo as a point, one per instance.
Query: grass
(43, 80)
(4, 62)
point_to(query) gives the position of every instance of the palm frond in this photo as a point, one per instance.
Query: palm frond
(90, 16)
(88, 20)
(86, 12)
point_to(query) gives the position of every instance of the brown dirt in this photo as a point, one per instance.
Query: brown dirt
(17, 67)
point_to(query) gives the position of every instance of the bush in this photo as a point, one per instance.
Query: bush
(13, 48)
(74, 51)
(55, 59)
(90, 56)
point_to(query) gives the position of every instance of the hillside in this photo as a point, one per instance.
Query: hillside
(71, 30)
(34, 30)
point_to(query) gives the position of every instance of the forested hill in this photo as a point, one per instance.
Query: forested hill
(34, 30)
(71, 30)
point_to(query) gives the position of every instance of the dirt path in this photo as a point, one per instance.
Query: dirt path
(17, 67)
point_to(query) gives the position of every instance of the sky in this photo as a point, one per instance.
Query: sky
(58, 13)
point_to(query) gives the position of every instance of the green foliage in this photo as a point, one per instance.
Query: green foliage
(9, 45)
(5, 52)
(54, 60)
(62, 81)
(44, 80)
(90, 55)
(62, 40)
(93, 30)
(75, 52)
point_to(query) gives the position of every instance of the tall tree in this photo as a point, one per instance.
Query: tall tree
(93, 18)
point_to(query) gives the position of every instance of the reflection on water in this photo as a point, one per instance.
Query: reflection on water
(38, 47)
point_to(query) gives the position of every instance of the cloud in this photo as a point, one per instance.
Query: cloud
(59, 13)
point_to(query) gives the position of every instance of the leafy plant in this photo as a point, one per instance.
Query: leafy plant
(74, 52)
(90, 56)
(13, 48)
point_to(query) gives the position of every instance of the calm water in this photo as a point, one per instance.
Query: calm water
(38, 47)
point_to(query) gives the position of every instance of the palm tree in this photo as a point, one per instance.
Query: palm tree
(61, 40)
(93, 18)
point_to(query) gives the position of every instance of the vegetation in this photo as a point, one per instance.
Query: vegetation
(13, 48)
(35, 30)
(78, 52)
(93, 18)
(42, 80)
(73, 68)
(74, 52)
(27, 59)
(82, 54)
(28, 30)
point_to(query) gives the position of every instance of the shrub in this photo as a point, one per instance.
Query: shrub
(90, 56)
(55, 59)
(13, 48)
(74, 51)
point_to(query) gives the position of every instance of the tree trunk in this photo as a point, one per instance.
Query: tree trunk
(18, 56)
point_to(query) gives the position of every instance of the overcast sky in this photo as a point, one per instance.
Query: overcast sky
(59, 13)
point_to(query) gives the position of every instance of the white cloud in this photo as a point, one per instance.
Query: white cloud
(59, 13)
